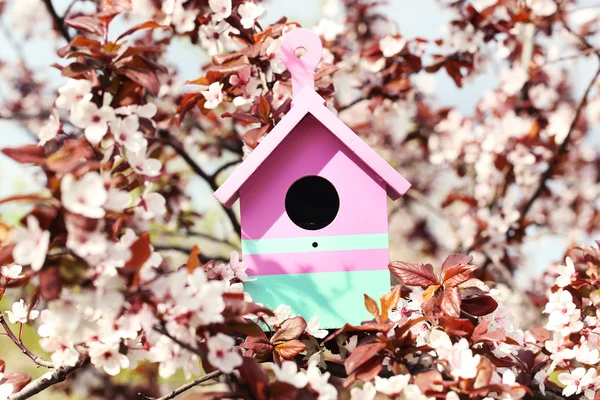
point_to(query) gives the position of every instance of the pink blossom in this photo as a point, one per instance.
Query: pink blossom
(222, 354)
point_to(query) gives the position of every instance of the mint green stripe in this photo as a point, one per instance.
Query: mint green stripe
(335, 297)
(325, 243)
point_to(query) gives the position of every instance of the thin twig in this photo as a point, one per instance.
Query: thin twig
(547, 174)
(184, 388)
(163, 331)
(203, 258)
(224, 167)
(571, 56)
(178, 147)
(36, 359)
(58, 21)
(44, 382)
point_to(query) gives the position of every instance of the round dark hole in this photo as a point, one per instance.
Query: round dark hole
(312, 203)
(315, 245)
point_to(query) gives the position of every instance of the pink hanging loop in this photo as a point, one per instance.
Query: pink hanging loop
(302, 69)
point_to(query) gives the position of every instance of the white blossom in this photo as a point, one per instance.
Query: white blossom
(31, 244)
(390, 45)
(513, 80)
(566, 273)
(288, 373)
(319, 382)
(313, 329)
(213, 96)
(11, 271)
(126, 132)
(141, 164)
(215, 37)
(85, 196)
(117, 200)
(392, 386)
(249, 13)
(92, 119)
(6, 389)
(50, 129)
(222, 354)
(220, 8)
(19, 313)
(577, 380)
(542, 8)
(367, 392)
(183, 20)
(463, 364)
(73, 92)
(481, 5)
(107, 357)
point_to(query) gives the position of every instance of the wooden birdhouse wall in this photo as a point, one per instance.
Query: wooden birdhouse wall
(310, 149)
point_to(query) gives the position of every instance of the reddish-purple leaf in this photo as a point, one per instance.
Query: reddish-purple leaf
(427, 380)
(414, 274)
(279, 390)
(361, 355)
(456, 326)
(456, 259)
(254, 376)
(18, 380)
(26, 154)
(188, 102)
(479, 306)
(450, 302)
(290, 349)
(143, 25)
(252, 136)
(86, 24)
(258, 345)
(369, 370)
(457, 274)
(145, 78)
(50, 283)
(482, 333)
(290, 329)
(365, 327)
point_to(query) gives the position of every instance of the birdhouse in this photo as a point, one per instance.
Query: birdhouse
(313, 206)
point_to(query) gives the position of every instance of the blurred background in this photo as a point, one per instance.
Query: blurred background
(423, 18)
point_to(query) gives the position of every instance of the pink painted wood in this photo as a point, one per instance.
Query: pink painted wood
(323, 261)
(302, 69)
(309, 102)
(311, 149)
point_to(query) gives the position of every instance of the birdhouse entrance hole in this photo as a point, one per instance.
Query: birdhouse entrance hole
(312, 202)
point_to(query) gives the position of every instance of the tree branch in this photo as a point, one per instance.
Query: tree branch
(58, 20)
(184, 388)
(36, 359)
(44, 382)
(163, 331)
(547, 174)
(177, 146)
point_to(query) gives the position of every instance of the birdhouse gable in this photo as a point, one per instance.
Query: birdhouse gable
(309, 102)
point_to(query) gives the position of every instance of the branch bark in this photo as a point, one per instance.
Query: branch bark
(58, 21)
(184, 388)
(547, 174)
(44, 382)
(36, 359)
(178, 147)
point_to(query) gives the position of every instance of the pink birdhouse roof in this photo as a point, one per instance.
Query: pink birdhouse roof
(309, 102)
